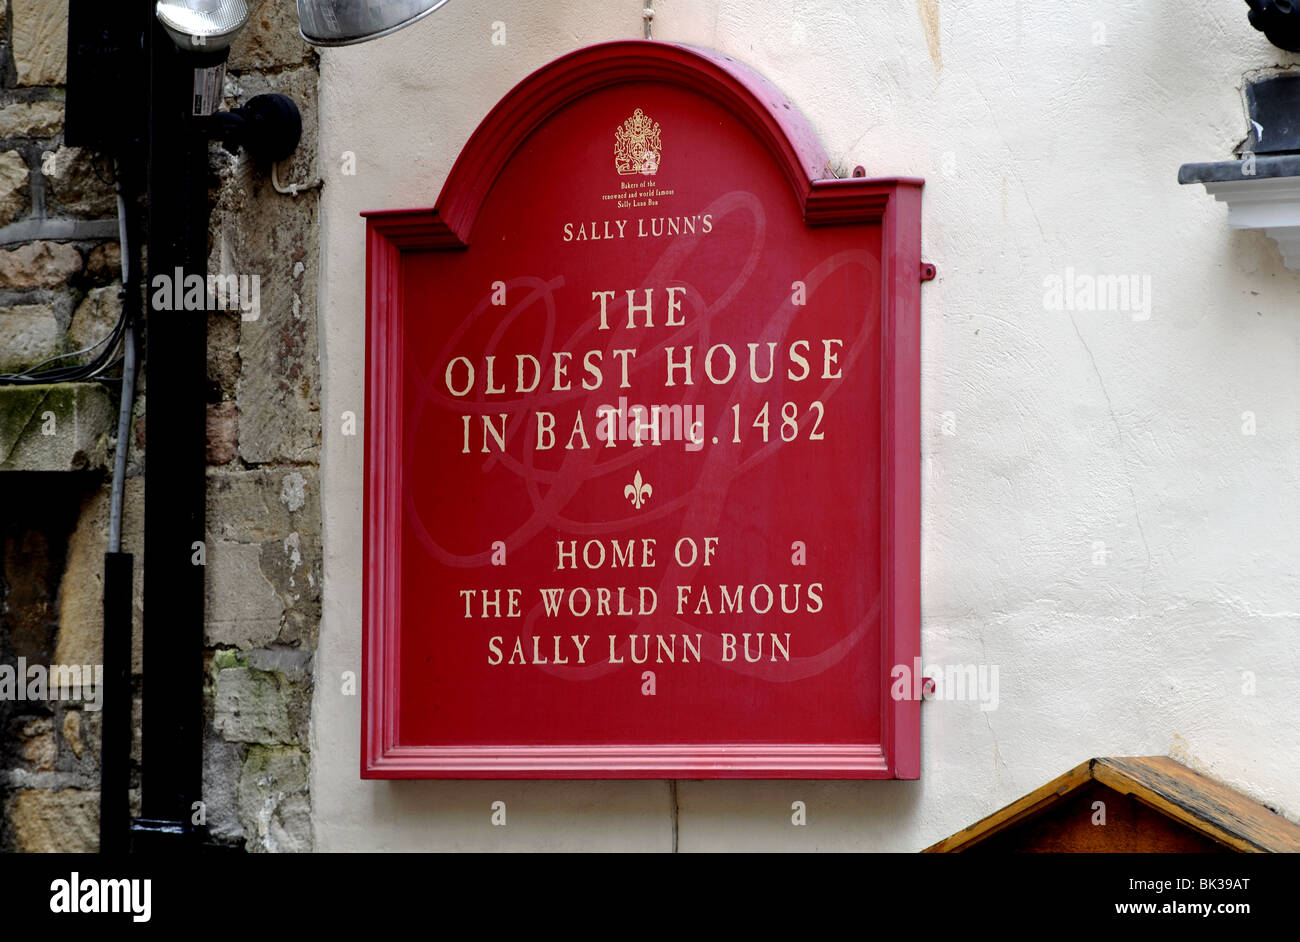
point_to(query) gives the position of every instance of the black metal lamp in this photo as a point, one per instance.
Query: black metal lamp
(204, 29)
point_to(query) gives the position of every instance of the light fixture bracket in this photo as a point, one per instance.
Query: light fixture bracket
(268, 127)
(344, 22)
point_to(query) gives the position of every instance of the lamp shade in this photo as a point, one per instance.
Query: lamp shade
(343, 22)
(206, 25)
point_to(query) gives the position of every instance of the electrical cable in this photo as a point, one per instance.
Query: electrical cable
(103, 360)
(123, 332)
(70, 374)
(130, 294)
(290, 189)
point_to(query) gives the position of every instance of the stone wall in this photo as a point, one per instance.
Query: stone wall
(263, 554)
(264, 534)
(59, 292)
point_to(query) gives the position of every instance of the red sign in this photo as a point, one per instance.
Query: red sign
(642, 449)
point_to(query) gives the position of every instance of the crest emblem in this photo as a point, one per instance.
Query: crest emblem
(637, 146)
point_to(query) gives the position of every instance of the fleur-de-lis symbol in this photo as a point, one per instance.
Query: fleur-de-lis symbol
(638, 492)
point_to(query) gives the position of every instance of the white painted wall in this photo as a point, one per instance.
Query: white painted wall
(1041, 151)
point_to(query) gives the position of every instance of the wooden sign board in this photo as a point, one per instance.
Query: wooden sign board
(642, 442)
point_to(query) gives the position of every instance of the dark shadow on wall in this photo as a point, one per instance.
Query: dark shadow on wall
(39, 512)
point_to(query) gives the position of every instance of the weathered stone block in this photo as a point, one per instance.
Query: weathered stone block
(94, 320)
(137, 730)
(77, 187)
(40, 41)
(90, 731)
(72, 731)
(270, 40)
(222, 762)
(279, 511)
(293, 670)
(223, 353)
(31, 119)
(293, 567)
(293, 663)
(54, 428)
(274, 801)
(29, 333)
(39, 746)
(249, 706)
(293, 491)
(222, 432)
(104, 264)
(256, 506)
(256, 231)
(15, 186)
(243, 607)
(81, 591)
(55, 822)
(39, 264)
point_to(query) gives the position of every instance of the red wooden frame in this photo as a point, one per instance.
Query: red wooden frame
(894, 204)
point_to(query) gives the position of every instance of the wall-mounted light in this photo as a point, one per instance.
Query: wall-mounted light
(203, 30)
(268, 127)
(343, 22)
(203, 25)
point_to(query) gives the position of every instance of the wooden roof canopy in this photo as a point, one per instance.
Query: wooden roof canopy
(1151, 804)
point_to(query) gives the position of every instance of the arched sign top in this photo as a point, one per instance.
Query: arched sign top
(774, 120)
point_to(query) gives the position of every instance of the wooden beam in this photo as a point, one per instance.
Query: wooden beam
(1200, 803)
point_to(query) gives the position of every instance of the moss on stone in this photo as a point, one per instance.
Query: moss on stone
(55, 427)
(225, 658)
(17, 406)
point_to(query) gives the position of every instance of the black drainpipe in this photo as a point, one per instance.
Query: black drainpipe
(119, 69)
(119, 569)
(175, 461)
